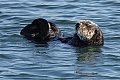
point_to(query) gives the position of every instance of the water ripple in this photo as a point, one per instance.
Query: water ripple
(22, 59)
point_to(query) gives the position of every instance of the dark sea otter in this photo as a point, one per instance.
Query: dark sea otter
(40, 30)
(87, 33)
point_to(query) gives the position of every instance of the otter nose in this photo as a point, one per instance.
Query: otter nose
(89, 33)
(51, 33)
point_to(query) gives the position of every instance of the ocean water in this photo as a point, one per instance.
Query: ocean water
(20, 59)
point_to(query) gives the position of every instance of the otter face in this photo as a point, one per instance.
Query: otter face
(90, 32)
(51, 32)
(85, 29)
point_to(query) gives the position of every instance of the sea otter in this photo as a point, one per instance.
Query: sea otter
(86, 33)
(40, 30)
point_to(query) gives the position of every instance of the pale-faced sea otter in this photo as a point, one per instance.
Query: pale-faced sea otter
(86, 33)
(40, 30)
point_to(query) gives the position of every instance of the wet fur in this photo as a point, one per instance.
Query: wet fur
(40, 30)
(96, 39)
(97, 36)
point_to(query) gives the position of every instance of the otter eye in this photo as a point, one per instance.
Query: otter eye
(95, 31)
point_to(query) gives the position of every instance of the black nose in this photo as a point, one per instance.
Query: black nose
(51, 34)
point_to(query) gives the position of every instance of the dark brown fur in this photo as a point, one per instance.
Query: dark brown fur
(40, 30)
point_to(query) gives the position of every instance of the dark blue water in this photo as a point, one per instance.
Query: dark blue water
(22, 60)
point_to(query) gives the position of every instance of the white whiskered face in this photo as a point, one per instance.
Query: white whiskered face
(86, 34)
(85, 29)
(51, 32)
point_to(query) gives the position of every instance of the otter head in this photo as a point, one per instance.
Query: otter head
(43, 30)
(89, 32)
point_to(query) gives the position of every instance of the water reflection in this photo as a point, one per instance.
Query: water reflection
(87, 60)
(88, 54)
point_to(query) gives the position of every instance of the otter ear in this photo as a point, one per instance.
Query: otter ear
(77, 25)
